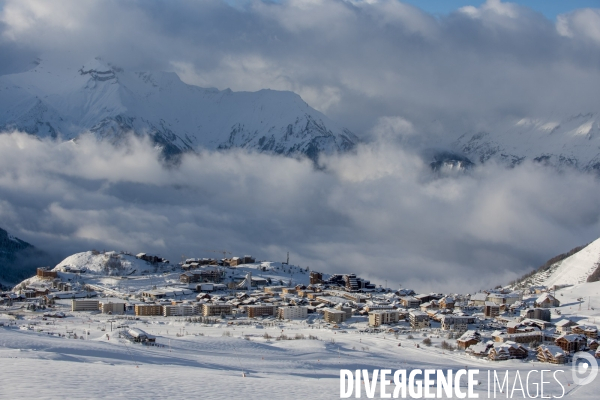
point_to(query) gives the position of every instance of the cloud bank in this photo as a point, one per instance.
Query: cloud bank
(380, 212)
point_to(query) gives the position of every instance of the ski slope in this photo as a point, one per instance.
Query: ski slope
(576, 268)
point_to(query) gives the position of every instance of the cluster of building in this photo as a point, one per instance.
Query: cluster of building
(498, 324)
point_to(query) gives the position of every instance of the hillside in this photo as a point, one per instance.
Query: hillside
(571, 269)
(64, 101)
(18, 259)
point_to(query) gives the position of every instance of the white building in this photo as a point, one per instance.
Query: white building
(292, 312)
(418, 319)
(180, 310)
(381, 317)
(455, 323)
(108, 307)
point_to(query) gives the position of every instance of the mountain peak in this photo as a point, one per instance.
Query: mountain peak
(62, 101)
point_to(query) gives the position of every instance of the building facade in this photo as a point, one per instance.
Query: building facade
(85, 305)
(293, 312)
(377, 318)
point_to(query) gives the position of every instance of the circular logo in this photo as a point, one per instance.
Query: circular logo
(584, 368)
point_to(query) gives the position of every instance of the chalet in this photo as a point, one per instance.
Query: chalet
(405, 292)
(550, 354)
(506, 351)
(538, 289)
(430, 305)
(522, 337)
(480, 349)
(468, 339)
(447, 302)
(592, 344)
(235, 261)
(546, 300)
(587, 330)
(503, 298)
(478, 299)
(424, 298)
(139, 335)
(410, 302)
(572, 343)
(513, 327)
(565, 325)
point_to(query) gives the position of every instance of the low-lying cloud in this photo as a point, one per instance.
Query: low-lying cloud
(380, 212)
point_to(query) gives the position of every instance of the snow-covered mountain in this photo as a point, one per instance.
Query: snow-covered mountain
(63, 102)
(566, 140)
(18, 259)
(572, 268)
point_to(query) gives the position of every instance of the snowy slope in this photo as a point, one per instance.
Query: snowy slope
(577, 268)
(561, 140)
(107, 263)
(570, 271)
(220, 361)
(63, 101)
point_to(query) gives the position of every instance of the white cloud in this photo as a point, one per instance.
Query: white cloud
(378, 212)
(582, 24)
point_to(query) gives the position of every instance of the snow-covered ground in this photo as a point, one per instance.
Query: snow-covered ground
(235, 360)
(205, 362)
(241, 358)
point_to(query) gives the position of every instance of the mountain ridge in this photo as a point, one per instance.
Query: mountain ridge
(562, 141)
(63, 102)
(18, 259)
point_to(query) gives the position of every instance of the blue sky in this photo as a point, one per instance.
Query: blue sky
(550, 8)
(547, 7)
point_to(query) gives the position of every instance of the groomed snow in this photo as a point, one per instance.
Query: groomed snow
(576, 268)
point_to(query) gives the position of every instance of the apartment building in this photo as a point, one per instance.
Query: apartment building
(292, 312)
(85, 305)
(380, 317)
